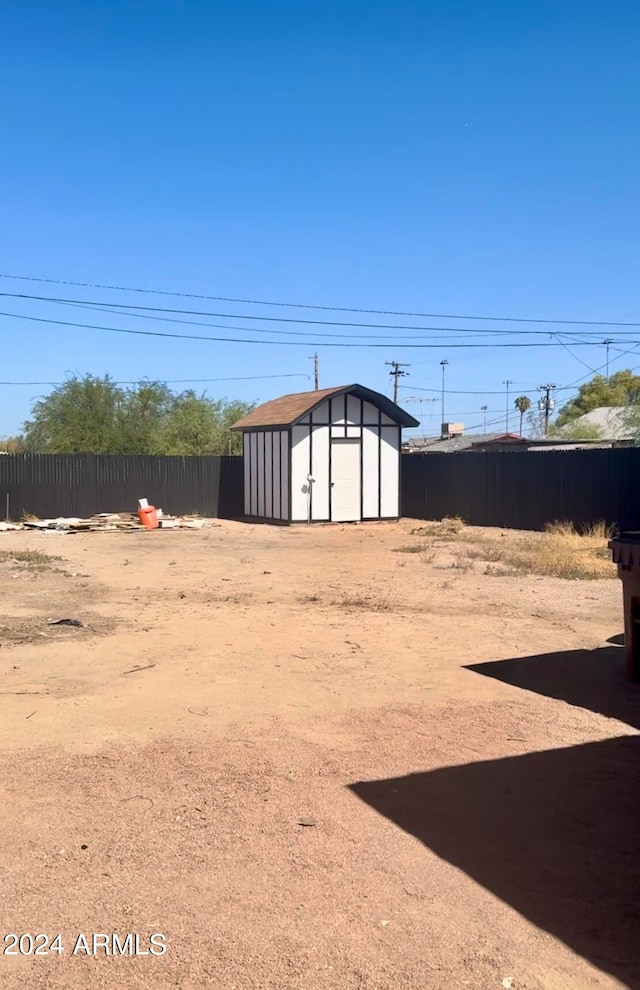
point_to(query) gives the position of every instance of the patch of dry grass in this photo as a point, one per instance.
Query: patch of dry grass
(367, 603)
(444, 529)
(560, 551)
(31, 558)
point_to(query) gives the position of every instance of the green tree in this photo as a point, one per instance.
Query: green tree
(197, 425)
(621, 389)
(79, 416)
(94, 415)
(142, 417)
(522, 404)
(576, 431)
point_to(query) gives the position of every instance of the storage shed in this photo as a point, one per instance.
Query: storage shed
(332, 455)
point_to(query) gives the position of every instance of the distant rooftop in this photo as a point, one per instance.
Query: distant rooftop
(435, 445)
(611, 421)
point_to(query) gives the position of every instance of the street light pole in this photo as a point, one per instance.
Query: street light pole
(443, 365)
(506, 384)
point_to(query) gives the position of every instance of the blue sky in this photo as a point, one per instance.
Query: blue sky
(446, 158)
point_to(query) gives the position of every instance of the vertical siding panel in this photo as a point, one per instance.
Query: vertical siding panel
(299, 471)
(320, 472)
(285, 501)
(260, 472)
(370, 503)
(389, 467)
(277, 486)
(253, 438)
(268, 474)
(246, 447)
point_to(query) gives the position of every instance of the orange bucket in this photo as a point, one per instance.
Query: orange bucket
(148, 517)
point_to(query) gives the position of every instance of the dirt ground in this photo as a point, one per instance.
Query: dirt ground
(461, 749)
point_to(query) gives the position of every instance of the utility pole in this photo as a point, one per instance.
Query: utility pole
(607, 343)
(443, 365)
(546, 404)
(506, 384)
(396, 374)
(316, 370)
(483, 410)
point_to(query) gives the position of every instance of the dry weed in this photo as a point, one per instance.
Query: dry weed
(32, 558)
(365, 602)
(560, 551)
(445, 528)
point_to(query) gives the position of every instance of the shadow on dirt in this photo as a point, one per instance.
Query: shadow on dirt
(554, 834)
(593, 679)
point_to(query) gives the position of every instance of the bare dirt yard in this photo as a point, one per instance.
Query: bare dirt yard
(327, 757)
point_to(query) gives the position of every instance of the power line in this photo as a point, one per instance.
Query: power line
(100, 308)
(178, 381)
(273, 343)
(293, 305)
(115, 307)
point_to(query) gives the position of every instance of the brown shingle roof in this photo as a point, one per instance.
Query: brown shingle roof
(285, 410)
(288, 409)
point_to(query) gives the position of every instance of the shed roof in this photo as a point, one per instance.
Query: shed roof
(290, 409)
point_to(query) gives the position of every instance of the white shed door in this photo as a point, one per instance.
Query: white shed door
(345, 480)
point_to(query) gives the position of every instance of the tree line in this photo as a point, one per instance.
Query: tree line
(89, 414)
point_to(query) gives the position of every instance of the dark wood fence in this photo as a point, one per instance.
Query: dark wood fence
(50, 485)
(525, 490)
(522, 490)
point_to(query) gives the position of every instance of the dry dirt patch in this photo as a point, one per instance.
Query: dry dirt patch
(255, 677)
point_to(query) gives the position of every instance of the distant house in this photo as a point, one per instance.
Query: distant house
(459, 441)
(610, 421)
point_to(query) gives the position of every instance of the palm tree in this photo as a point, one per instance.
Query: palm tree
(522, 404)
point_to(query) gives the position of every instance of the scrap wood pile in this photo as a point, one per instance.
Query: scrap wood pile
(103, 522)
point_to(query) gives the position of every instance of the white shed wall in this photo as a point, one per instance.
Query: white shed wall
(299, 471)
(370, 415)
(370, 461)
(320, 471)
(321, 414)
(389, 471)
